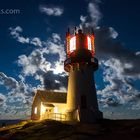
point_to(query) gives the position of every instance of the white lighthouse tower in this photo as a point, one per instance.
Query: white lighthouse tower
(80, 64)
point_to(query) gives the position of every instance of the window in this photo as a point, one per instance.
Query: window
(72, 43)
(55, 110)
(89, 43)
(83, 102)
(35, 110)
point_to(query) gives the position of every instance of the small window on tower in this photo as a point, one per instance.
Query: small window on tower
(89, 43)
(72, 43)
(35, 110)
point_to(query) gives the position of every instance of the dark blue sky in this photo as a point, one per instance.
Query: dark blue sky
(122, 15)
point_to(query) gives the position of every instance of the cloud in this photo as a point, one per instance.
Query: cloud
(45, 62)
(94, 16)
(83, 19)
(108, 47)
(16, 34)
(56, 38)
(119, 87)
(51, 11)
(2, 99)
(15, 87)
(94, 13)
(9, 82)
(54, 81)
(18, 96)
(36, 41)
(33, 63)
(15, 31)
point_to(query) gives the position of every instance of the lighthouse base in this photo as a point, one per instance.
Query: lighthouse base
(90, 116)
(72, 115)
(84, 115)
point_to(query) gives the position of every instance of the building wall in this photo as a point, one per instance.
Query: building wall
(56, 113)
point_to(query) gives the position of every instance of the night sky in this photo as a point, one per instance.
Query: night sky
(32, 51)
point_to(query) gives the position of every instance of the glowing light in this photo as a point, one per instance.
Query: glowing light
(55, 109)
(43, 109)
(89, 43)
(72, 43)
(35, 110)
(58, 68)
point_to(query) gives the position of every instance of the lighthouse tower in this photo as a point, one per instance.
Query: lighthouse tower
(80, 64)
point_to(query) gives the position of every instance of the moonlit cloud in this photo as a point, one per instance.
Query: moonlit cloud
(33, 63)
(51, 11)
(41, 65)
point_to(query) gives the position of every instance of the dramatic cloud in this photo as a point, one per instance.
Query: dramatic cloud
(19, 96)
(54, 81)
(46, 62)
(34, 62)
(13, 85)
(119, 69)
(51, 11)
(120, 65)
(109, 47)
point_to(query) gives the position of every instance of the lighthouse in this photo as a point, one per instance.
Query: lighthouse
(81, 63)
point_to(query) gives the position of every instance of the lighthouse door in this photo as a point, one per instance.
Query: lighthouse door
(48, 112)
(83, 102)
(49, 109)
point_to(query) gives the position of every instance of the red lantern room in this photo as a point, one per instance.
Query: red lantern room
(80, 41)
(80, 47)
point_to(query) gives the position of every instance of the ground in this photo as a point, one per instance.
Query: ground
(53, 130)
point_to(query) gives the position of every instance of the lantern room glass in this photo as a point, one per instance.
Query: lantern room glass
(72, 44)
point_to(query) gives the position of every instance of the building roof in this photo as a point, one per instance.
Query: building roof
(51, 96)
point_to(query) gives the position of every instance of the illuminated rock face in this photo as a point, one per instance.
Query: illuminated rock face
(80, 63)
